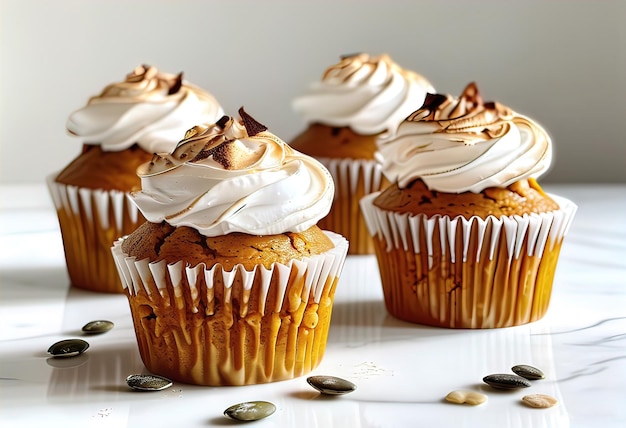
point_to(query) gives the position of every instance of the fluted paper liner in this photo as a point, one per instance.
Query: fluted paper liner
(90, 221)
(467, 273)
(354, 178)
(211, 326)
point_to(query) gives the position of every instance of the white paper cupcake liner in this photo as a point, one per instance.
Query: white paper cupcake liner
(349, 174)
(467, 273)
(96, 205)
(236, 304)
(354, 178)
(155, 277)
(90, 221)
(534, 230)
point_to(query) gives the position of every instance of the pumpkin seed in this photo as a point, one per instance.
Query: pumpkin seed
(331, 385)
(539, 401)
(98, 326)
(68, 348)
(250, 411)
(506, 381)
(144, 382)
(528, 372)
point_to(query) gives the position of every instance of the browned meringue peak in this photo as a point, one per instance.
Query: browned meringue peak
(148, 76)
(141, 72)
(177, 84)
(197, 140)
(233, 155)
(187, 149)
(468, 114)
(252, 126)
(221, 141)
(352, 63)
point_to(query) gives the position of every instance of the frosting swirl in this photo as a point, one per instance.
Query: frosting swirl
(149, 108)
(463, 144)
(234, 176)
(369, 94)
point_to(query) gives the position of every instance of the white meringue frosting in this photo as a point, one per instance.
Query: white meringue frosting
(463, 144)
(149, 108)
(235, 176)
(369, 94)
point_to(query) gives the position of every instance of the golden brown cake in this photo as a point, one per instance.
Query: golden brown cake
(358, 100)
(230, 281)
(91, 191)
(465, 237)
(520, 198)
(161, 241)
(121, 128)
(99, 169)
(338, 142)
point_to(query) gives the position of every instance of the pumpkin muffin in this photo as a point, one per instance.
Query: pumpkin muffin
(121, 128)
(465, 237)
(230, 281)
(357, 101)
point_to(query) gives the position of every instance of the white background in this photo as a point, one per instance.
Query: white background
(561, 62)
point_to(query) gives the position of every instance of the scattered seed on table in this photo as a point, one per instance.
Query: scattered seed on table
(98, 326)
(146, 382)
(68, 348)
(539, 401)
(506, 381)
(528, 372)
(469, 397)
(331, 385)
(250, 411)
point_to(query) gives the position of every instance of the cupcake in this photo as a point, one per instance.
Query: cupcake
(230, 281)
(465, 237)
(121, 128)
(357, 101)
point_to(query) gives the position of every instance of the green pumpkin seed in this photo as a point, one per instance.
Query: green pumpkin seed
(528, 372)
(331, 385)
(68, 348)
(97, 327)
(143, 382)
(250, 411)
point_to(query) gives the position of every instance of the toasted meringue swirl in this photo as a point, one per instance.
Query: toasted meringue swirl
(369, 94)
(463, 144)
(220, 179)
(149, 108)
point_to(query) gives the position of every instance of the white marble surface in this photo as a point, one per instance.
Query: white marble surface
(402, 371)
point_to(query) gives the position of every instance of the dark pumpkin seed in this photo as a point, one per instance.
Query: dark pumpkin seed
(143, 382)
(68, 348)
(506, 381)
(528, 372)
(97, 327)
(331, 385)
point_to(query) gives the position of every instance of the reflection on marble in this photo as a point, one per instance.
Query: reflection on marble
(402, 371)
(111, 356)
(96, 375)
(444, 360)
